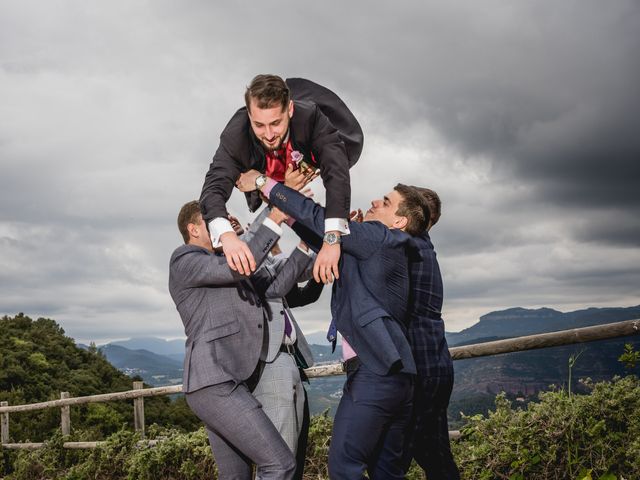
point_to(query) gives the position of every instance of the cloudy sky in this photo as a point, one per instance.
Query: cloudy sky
(524, 116)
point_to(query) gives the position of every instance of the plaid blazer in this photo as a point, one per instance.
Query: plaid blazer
(425, 325)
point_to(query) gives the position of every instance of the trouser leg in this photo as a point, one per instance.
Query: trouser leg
(239, 432)
(301, 450)
(281, 394)
(371, 419)
(429, 442)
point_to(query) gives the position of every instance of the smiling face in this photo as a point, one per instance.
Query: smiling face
(385, 210)
(270, 125)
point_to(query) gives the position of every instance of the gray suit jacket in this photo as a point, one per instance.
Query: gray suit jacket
(273, 265)
(222, 311)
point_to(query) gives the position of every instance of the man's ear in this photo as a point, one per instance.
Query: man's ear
(400, 223)
(290, 108)
(193, 230)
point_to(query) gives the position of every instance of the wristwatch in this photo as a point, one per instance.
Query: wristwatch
(261, 180)
(331, 238)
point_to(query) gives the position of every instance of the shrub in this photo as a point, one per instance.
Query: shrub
(561, 436)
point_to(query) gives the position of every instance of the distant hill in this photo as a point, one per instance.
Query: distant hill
(524, 374)
(516, 322)
(174, 351)
(153, 368)
(37, 362)
(477, 380)
(153, 344)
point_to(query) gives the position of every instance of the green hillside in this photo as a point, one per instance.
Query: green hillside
(37, 362)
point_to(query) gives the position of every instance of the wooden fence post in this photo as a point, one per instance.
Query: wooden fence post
(138, 410)
(65, 416)
(4, 425)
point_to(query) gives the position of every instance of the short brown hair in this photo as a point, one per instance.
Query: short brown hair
(414, 208)
(189, 213)
(268, 91)
(435, 205)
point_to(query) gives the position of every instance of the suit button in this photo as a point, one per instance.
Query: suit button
(259, 325)
(281, 312)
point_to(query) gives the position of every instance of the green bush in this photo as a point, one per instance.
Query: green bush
(563, 436)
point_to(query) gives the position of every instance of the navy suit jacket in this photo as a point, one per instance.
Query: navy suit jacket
(369, 300)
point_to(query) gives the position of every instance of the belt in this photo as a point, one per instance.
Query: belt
(288, 348)
(351, 365)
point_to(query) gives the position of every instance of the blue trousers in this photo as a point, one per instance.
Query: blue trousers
(369, 426)
(428, 436)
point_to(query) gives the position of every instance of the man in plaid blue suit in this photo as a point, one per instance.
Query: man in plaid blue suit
(428, 442)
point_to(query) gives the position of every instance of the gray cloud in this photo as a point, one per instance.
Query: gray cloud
(522, 116)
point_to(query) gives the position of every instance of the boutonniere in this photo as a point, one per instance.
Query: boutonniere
(298, 158)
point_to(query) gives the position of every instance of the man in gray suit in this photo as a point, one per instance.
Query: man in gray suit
(280, 389)
(224, 315)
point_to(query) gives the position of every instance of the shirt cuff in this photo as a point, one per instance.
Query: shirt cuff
(273, 226)
(347, 350)
(336, 224)
(307, 252)
(266, 190)
(290, 221)
(217, 227)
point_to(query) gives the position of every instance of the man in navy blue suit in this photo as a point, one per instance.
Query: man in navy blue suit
(368, 305)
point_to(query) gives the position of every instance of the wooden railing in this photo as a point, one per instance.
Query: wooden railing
(519, 344)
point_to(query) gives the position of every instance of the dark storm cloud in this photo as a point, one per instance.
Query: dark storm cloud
(548, 91)
(522, 115)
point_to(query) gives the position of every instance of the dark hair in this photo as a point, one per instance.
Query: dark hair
(414, 208)
(268, 91)
(189, 213)
(435, 205)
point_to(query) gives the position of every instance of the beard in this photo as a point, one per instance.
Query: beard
(268, 148)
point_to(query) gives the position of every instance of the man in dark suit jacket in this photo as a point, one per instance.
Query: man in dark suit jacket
(428, 440)
(224, 315)
(368, 305)
(297, 122)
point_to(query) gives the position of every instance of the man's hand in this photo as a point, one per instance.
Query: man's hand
(239, 257)
(356, 216)
(235, 224)
(277, 215)
(247, 181)
(298, 178)
(326, 267)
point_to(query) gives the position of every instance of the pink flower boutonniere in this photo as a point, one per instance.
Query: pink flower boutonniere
(298, 159)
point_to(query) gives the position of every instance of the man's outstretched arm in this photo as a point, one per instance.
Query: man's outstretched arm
(216, 191)
(365, 238)
(196, 268)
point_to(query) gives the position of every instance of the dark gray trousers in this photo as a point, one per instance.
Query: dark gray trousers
(241, 434)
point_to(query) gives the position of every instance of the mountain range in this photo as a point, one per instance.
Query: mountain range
(517, 322)
(522, 375)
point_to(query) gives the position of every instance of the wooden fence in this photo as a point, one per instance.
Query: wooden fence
(137, 394)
